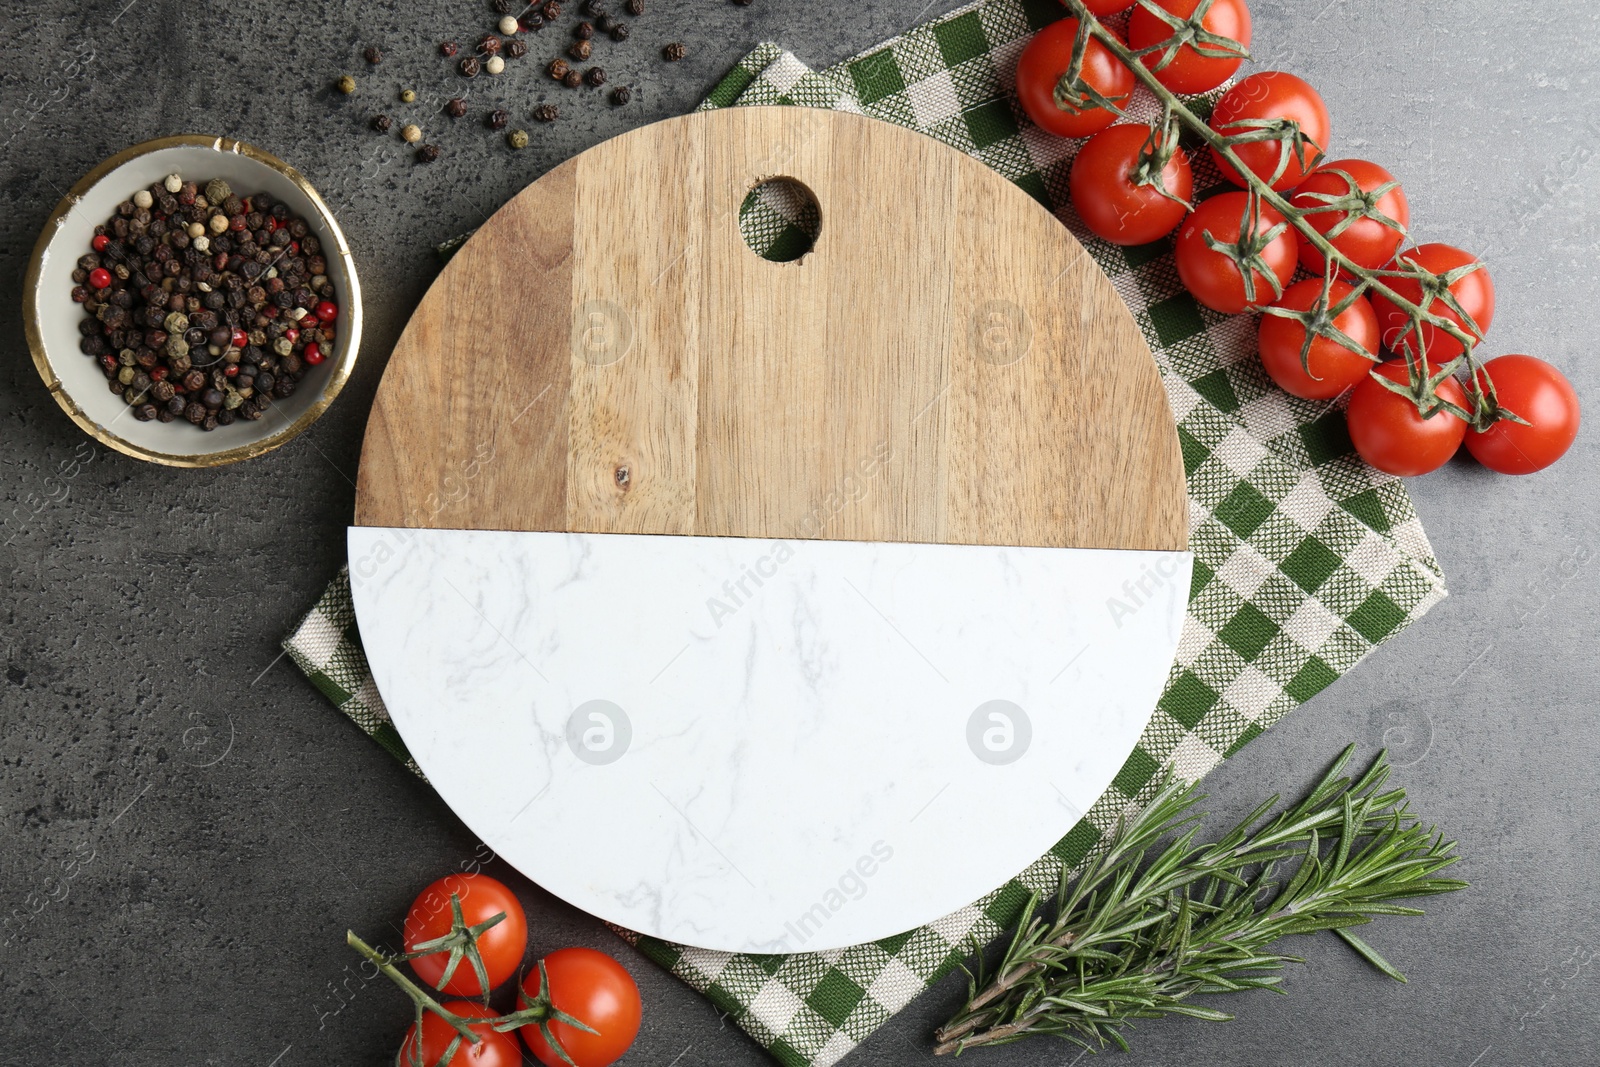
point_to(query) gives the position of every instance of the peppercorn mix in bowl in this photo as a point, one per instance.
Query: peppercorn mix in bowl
(192, 302)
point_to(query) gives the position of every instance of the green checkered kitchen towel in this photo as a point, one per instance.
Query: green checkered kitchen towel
(1305, 558)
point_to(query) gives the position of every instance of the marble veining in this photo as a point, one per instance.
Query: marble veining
(772, 745)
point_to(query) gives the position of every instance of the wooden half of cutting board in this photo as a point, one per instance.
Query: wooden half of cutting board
(607, 355)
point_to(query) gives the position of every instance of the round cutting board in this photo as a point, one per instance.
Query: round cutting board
(771, 606)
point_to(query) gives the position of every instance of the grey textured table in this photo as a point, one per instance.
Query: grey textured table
(142, 612)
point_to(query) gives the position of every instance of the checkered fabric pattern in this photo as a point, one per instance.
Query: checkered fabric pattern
(1305, 558)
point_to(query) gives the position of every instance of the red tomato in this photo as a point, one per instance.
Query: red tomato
(1334, 368)
(1537, 392)
(1392, 435)
(482, 898)
(1365, 240)
(495, 1050)
(1213, 278)
(1102, 8)
(1474, 292)
(1189, 71)
(1273, 95)
(590, 986)
(1046, 58)
(1108, 201)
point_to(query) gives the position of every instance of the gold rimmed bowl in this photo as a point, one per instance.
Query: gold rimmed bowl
(51, 318)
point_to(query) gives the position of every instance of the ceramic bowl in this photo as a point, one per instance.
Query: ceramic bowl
(51, 318)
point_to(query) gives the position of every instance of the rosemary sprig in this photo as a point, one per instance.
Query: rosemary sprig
(1130, 939)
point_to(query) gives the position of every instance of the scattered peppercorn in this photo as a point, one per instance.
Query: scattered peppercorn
(635, 7)
(620, 32)
(532, 21)
(489, 45)
(410, 133)
(345, 84)
(605, 23)
(456, 107)
(502, 7)
(509, 25)
(593, 7)
(494, 65)
(469, 67)
(448, 49)
(743, 3)
(583, 30)
(580, 50)
(572, 80)
(546, 113)
(516, 48)
(498, 119)
(595, 76)
(551, 10)
(517, 138)
(187, 324)
(674, 52)
(373, 54)
(621, 95)
(408, 96)
(558, 69)
(427, 153)
(382, 123)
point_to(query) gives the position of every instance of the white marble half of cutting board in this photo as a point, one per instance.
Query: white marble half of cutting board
(765, 746)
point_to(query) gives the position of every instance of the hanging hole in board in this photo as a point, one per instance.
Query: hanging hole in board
(780, 219)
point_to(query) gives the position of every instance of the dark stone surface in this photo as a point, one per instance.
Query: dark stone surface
(187, 828)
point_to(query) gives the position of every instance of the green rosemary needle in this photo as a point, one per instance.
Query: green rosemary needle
(1130, 939)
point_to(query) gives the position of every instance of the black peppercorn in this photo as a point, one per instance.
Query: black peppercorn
(635, 7)
(595, 76)
(489, 45)
(558, 69)
(448, 48)
(533, 22)
(382, 123)
(551, 10)
(572, 80)
(469, 67)
(743, 3)
(516, 48)
(502, 7)
(373, 54)
(621, 95)
(580, 50)
(195, 412)
(674, 52)
(427, 153)
(583, 30)
(546, 113)
(605, 23)
(498, 118)
(620, 32)
(593, 7)
(456, 108)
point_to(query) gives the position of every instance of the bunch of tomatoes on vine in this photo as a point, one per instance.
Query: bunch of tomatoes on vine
(1395, 325)
(465, 936)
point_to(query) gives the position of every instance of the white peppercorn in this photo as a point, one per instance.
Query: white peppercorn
(494, 65)
(143, 198)
(410, 133)
(172, 184)
(508, 25)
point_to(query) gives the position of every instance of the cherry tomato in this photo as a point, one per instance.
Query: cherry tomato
(1108, 201)
(501, 946)
(100, 278)
(1189, 71)
(495, 1050)
(1474, 292)
(1213, 278)
(1043, 62)
(1102, 8)
(1390, 434)
(595, 988)
(1536, 391)
(1334, 368)
(1273, 94)
(1365, 240)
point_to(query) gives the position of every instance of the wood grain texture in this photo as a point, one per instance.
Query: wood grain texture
(607, 355)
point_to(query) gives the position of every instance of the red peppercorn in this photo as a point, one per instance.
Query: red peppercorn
(158, 374)
(294, 248)
(231, 370)
(238, 339)
(327, 311)
(99, 243)
(292, 333)
(313, 354)
(100, 278)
